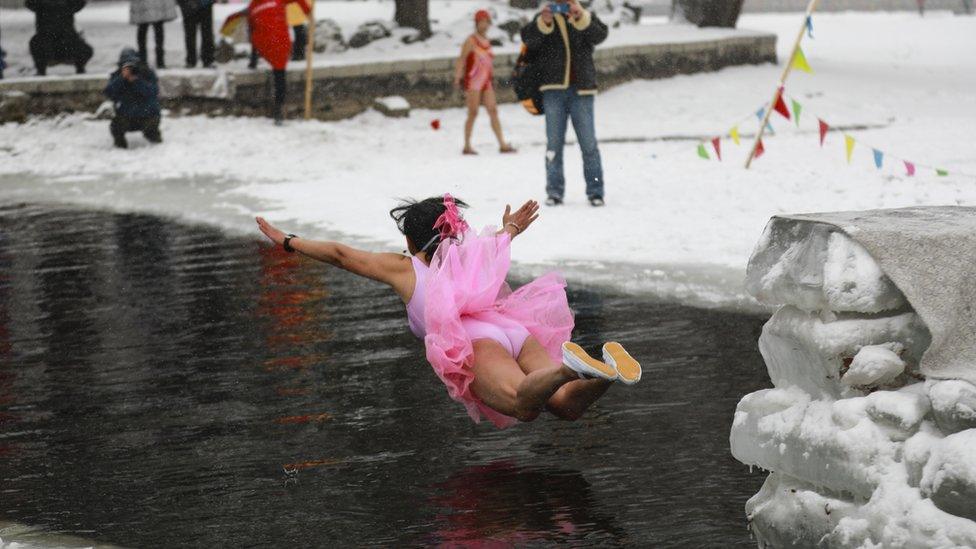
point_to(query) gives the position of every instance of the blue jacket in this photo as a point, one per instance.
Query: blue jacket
(136, 99)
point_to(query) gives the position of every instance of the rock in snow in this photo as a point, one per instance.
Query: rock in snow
(862, 452)
(875, 365)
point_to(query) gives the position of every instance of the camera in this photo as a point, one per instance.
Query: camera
(559, 8)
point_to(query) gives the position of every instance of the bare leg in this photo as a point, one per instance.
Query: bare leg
(473, 100)
(502, 385)
(573, 398)
(491, 105)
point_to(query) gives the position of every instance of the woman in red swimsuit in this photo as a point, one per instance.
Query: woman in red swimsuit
(473, 72)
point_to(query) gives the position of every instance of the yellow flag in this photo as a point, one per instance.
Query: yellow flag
(849, 143)
(800, 61)
(734, 134)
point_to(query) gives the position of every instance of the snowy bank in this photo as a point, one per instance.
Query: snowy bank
(868, 433)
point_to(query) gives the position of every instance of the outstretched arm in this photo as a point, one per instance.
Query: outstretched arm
(516, 223)
(383, 267)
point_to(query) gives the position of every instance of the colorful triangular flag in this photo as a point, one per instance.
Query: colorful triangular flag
(702, 152)
(760, 114)
(941, 173)
(759, 149)
(810, 26)
(734, 134)
(909, 168)
(796, 111)
(799, 61)
(878, 158)
(823, 131)
(717, 144)
(780, 105)
(849, 146)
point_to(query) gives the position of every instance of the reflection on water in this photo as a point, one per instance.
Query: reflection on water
(162, 384)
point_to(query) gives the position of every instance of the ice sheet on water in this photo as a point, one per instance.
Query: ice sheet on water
(813, 267)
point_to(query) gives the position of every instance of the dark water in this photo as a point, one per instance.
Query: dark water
(157, 380)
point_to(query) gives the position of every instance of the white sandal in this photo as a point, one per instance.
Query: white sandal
(587, 367)
(628, 370)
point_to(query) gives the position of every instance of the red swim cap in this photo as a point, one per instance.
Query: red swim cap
(482, 14)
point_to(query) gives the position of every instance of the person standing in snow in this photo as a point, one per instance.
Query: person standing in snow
(562, 43)
(474, 73)
(56, 40)
(144, 13)
(134, 91)
(198, 14)
(270, 39)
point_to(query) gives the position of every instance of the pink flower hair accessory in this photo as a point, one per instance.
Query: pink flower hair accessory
(450, 223)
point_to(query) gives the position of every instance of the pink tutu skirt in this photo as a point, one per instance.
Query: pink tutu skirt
(467, 281)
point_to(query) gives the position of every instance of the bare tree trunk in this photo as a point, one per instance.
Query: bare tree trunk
(413, 14)
(708, 13)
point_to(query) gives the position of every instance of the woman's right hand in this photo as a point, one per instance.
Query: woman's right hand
(546, 14)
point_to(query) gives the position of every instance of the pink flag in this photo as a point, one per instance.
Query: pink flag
(910, 168)
(716, 142)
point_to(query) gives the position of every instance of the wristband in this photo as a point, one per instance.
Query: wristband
(286, 244)
(517, 228)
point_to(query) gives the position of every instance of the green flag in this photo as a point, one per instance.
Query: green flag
(941, 172)
(702, 152)
(796, 111)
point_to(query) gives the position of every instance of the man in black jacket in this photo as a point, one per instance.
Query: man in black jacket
(134, 90)
(56, 40)
(560, 39)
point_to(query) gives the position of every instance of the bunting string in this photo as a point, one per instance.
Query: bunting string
(792, 113)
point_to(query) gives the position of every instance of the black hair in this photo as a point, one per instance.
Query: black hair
(416, 220)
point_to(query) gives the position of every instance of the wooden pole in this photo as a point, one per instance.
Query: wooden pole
(782, 81)
(309, 53)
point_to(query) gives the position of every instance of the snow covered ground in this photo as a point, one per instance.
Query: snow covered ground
(675, 225)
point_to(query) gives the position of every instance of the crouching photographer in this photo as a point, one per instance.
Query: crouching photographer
(134, 90)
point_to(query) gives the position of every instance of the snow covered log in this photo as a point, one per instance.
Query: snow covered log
(870, 429)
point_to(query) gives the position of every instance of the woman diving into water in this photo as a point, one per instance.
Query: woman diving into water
(505, 355)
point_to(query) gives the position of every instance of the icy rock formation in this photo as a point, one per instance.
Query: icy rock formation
(862, 451)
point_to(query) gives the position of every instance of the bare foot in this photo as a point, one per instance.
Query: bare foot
(507, 149)
(469, 150)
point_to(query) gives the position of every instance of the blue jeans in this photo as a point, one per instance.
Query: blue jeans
(559, 106)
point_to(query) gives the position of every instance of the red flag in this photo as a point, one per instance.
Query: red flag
(718, 148)
(910, 168)
(435, 123)
(759, 149)
(823, 131)
(780, 106)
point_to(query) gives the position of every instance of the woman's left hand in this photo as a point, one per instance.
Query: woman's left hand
(276, 235)
(521, 218)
